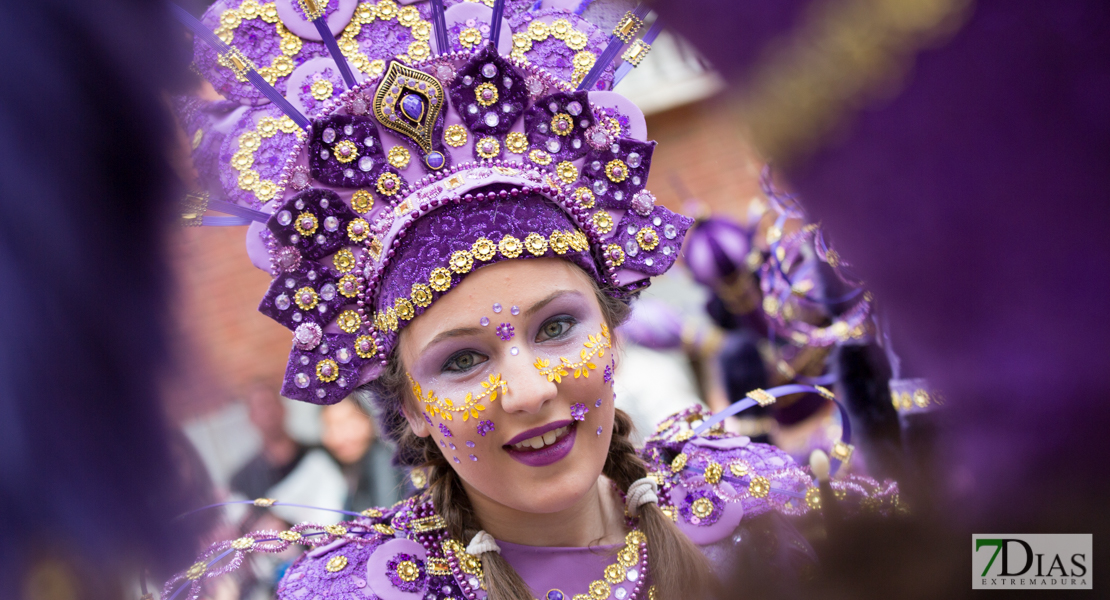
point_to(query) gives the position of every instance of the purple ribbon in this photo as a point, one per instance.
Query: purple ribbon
(495, 21)
(333, 49)
(439, 22)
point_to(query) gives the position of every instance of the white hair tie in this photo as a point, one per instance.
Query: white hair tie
(642, 491)
(481, 543)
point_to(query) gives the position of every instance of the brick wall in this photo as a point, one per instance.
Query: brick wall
(224, 344)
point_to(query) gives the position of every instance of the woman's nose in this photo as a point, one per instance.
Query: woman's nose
(528, 389)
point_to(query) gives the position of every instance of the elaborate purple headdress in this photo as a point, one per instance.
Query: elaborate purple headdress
(446, 152)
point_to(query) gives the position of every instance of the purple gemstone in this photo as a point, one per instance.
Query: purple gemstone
(555, 595)
(413, 107)
(434, 160)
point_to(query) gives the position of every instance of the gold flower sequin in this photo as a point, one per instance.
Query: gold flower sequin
(536, 244)
(537, 30)
(345, 151)
(759, 487)
(562, 124)
(404, 309)
(616, 170)
(559, 242)
(327, 370)
(813, 498)
(713, 472)
(347, 286)
(399, 157)
(306, 298)
(738, 468)
(336, 563)
(603, 222)
(679, 462)
(243, 543)
(579, 242)
(322, 89)
(365, 346)
(484, 249)
(421, 295)
(516, 142)
(593, 346)
(349, 321)
(344, 260)
(196, 571)
(488, 147)
(470, 37)
(584, 197)
(599, 590)
(510, 247)
(647, 238)
(567, 171)
(470, 406)
(306, 223)
(419, 50)
(614, 574)
(407, 570)
(440, 279)
(539, 157)
(289, 536)
(461, 262)
(702, 508)
(615, 254)
(486, 94)
(362, 201)
(576, 40)
(455, 135)
(358, 229)
(389, 184)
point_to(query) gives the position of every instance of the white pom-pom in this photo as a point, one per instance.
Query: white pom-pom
(481, 543)
(642, 491)
(819, 464)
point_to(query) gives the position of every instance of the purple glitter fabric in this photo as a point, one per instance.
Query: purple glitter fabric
(553, 55)
(614, 183)
(635, 234)
(309, 576)
(488, 73)
(687, 508)
(359, 135)
(269, 158)
(304, 94)
(315, 222)
(484, 427)
(558, 124)
(313, 285)
(578, 411)
(325, 374)
(406, 586)
(260, 42)
(431, 242)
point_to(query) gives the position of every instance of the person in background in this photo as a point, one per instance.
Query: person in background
(280, 453)
(349, 435)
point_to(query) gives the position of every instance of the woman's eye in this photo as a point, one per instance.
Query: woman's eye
(554, 328)
(464, 361)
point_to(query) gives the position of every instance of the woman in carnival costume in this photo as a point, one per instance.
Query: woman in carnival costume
(396, 223)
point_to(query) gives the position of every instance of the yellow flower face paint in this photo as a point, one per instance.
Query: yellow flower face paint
(594, 347)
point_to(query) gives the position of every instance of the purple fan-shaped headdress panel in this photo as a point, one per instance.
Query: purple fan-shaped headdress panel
(430, 167)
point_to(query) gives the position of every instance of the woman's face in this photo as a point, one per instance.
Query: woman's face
(540, 445)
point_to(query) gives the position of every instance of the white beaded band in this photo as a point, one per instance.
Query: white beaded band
(642, 491)
(481, 543)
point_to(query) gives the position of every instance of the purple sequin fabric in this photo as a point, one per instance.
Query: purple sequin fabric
(325, 373)
(488, 93)
(431, 242)
(651, 243)
(267, 160)
(558, 123)
(616, 173)
(260, 41)
(364, 161)
(553, 54)
(687, 509)
(393, 566)
(316, 222)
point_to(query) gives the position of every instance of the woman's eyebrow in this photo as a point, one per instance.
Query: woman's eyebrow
(452, 333)
(550, 298)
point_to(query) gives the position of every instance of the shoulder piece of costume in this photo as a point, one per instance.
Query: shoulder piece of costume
(713, 481)
(451, 151)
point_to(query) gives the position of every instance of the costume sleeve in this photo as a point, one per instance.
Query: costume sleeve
(712, 483)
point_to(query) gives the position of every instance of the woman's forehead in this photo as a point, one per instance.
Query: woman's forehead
(521, 283)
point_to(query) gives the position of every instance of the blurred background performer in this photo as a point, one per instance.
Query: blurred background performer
(87, 480)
